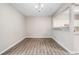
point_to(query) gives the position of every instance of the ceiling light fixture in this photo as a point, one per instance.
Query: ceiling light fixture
(39, 6)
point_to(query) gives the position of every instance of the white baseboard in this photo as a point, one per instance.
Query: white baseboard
(38, 36)
(70, 52)
(21, 40)
(12, 45)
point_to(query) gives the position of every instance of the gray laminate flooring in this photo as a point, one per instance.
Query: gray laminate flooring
(37, 46)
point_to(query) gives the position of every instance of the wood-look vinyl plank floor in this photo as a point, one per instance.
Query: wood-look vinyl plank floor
(37, 46)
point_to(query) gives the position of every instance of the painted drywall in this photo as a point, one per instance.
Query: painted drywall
(38, 27)
(76, 42)
(61, 19)
(28, 9)
(64, 38)
(11, 26)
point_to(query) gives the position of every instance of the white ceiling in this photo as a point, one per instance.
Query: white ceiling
(28, 9)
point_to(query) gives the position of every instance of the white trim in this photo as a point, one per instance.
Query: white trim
(70, 52)
(12, 45)
(21, 40)
(38, 36)
(61, 9)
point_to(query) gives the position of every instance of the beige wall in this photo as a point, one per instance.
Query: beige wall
(11, 26)
(64, 38)
(38, 27)
(61, 19)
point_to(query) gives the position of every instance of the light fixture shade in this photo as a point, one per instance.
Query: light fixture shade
(36, 6)
(39, 6)
(42, 5)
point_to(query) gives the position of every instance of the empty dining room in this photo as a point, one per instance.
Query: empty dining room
(39, 28)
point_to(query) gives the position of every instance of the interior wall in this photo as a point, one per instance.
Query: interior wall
(64, 38)
(11, 26)
(61, 19)
(38, 27)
